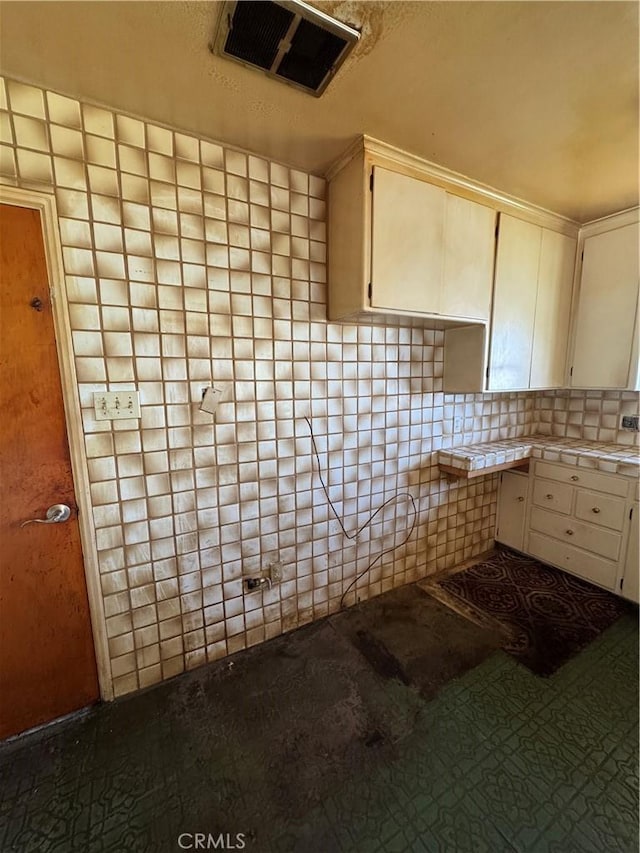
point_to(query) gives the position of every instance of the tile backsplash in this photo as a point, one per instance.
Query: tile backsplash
(594, 415)
(189, 264)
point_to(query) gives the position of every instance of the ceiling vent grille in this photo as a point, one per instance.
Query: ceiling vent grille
(288, 40)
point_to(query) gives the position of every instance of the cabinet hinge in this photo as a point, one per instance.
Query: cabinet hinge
(582, 255)
(369, 291)
(571, 372)
(631, 513)
(621, 582)
(371, 181)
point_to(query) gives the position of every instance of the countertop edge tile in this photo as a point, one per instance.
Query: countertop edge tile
(596, 455)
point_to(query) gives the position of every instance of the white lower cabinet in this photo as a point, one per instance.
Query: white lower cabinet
(582, 521)
(512, 509)
(630, 580)
(587, 566)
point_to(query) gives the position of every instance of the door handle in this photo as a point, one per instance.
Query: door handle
(55, 515)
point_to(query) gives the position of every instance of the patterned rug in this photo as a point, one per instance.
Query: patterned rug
(547, 615)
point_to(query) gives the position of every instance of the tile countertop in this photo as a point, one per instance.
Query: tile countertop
(473, 460)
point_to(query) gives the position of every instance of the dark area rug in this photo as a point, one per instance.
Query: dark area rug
(548, 615)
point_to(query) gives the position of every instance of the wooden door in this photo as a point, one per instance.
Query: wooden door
(406, 243)
(469, 249)
(607, 306)
(514, 304)
(47, 659)
(553, 307)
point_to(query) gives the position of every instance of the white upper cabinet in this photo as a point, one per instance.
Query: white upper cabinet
(469, 249)
(514, 304)
(605, 352)
(431, 251)
(402, 241)
(531, 307)
(553, 310)
(525, 345)
(406, 243)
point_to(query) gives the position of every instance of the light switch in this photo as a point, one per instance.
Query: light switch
(116, 405)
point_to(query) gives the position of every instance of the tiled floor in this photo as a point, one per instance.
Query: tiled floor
(329, 739)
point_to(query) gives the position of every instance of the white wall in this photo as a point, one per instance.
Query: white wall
(187, 264)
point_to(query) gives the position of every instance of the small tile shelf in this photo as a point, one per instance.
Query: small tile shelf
(477, 460)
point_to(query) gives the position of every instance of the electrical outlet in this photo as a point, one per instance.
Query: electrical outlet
(631, 422)
(275, 571)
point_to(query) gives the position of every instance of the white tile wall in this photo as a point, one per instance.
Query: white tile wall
(188, 263)
(594, 415)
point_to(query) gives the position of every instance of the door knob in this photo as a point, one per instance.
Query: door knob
(55, 514)
(521, 499)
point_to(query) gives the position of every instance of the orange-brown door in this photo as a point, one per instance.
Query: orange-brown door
(47, 659)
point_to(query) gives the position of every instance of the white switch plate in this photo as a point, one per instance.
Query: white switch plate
(211, 397)
(116, 405)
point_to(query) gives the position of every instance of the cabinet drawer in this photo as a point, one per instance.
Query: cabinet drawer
(552, 495)
(580, 477)
(600, 509)
(577, 533)
(587, 566)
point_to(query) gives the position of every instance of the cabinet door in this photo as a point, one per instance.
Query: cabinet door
(605, 323)
(553, 306)
(406, 243)
(631, 575)
(512, 505)
(469, 249)
(514, 304)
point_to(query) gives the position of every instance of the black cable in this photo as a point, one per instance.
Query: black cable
(353, 536)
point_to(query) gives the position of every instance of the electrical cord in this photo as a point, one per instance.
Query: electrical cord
(353, 536)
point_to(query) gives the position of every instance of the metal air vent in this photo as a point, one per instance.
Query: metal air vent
(288, 40)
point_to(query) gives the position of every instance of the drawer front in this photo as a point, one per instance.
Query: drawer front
(606, 543)
(550, 494)
(588, 566)
(600, 509)
(584, 478)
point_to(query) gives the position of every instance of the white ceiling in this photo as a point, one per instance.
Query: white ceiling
(537, 99)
